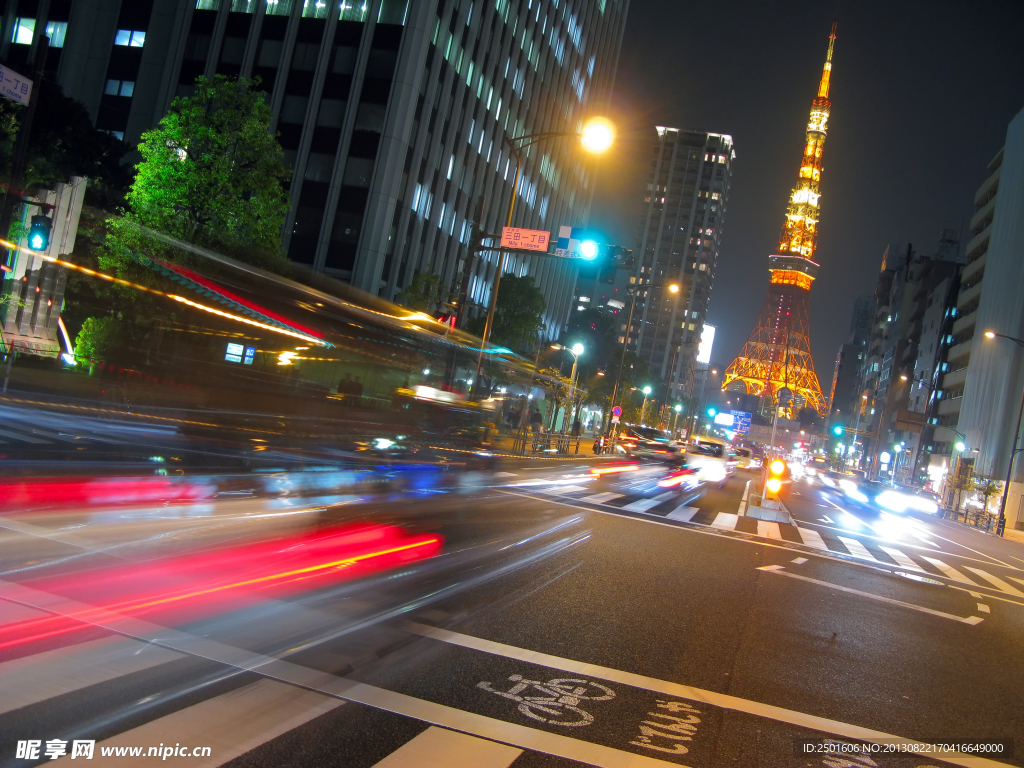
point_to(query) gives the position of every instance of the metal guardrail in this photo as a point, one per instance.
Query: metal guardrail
(536, 442)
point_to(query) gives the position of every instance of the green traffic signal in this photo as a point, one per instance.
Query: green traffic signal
(712, 412)
(39, 233)
(837, 430)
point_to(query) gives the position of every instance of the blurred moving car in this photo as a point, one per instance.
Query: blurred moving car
(745, 458)
(712, 458)
(652, 444)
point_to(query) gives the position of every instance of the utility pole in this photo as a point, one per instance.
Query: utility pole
(21, 149)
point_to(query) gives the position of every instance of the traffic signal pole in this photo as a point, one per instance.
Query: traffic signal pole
(21, 150)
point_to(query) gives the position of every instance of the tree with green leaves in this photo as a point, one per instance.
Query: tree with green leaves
(211, 175)
(518, 315)
(421, 294)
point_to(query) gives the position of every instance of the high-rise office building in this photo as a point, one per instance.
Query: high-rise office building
(393, 113)
(686, 196)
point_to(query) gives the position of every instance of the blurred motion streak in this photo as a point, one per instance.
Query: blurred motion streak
(50, 494)
(614, 469)
(203, 585)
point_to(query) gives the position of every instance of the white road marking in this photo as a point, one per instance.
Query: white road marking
(799, 560)
(565, 489)
(25, 438)
(857, 549)
(813, 539)
(678, 690)
(995, 580)
(949, 571)
(768, 529)
(901, 558)
(683, 513)
(642, 505)
(232, 723)
(726, 521)
(315, 681)
(827, 519)
(778, 569)
(983, 608)
(441, 748)
(601, 498)
(31, 679)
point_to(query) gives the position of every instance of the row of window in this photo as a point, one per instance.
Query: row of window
(24, 31)
(391, 11)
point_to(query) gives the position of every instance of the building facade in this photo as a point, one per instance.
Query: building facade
(685, 201)
(393, 114)
(987, 375)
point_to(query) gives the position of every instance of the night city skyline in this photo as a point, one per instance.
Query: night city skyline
(914, 125)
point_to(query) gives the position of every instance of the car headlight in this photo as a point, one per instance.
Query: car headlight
(893, 501)
(924, 505)
(712, 473)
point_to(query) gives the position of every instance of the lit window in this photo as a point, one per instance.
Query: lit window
(207, 5)
(119, 135)
(351, 10)
(56, 30)
(314, 9)
(243, 6)
(24, 30)
(134, 38)
(120, 88)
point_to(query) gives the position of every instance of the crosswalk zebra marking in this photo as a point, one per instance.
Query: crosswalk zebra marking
(566, 489)
(441, 748)
(31, 679)
(726, 521)
(901, 558)
(601, 498)
(641, 505)
(812, 538)
(768, 529)
(233, 723)
(996, 581)
(683, 513)
(949, 571)
(857, 549)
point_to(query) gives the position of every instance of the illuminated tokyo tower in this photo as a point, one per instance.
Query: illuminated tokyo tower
(778, 352)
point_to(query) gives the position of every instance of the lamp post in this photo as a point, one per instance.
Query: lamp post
(597, 135)
(647, 392)
(1001, 523)
(576, 350)
(633, 290)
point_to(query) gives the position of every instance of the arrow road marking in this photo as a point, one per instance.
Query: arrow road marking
(782, 572)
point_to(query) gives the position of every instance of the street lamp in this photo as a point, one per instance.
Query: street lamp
(632, 290)
(647, 392)
(576, 350)
(597, 136)
(1001, 524)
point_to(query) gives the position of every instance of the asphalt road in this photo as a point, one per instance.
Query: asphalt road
(568, 619)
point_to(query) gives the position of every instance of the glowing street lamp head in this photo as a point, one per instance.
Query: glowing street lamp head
(588, 250)
(960, 446)
(673, 288)
(598, 134)
(990, 334)
(646, 390)
(577, 349)
(679, 408)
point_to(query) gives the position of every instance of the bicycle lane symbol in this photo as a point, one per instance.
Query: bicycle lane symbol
(556, 701)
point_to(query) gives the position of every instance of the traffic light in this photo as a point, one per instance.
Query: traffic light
(776, 472)
(39, 233)
(837, 430)
(589, 250)
(712, 412)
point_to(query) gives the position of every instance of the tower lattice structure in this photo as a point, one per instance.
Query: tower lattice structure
(778, 352)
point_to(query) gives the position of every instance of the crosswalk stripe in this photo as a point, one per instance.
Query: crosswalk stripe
(856, 548)
(949, 571)
(812, 538)
(726, 521)
(901, 558)
(683, 513)
(441, 748)
(32, 679)
(1019, 581)
(768, 529)
(642, 505)
(566, 489)
(232, 723)
(601, 498)
(999, 583)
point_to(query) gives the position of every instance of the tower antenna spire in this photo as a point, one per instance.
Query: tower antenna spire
(826, 73)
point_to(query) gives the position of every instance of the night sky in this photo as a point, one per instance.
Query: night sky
(921, 95)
